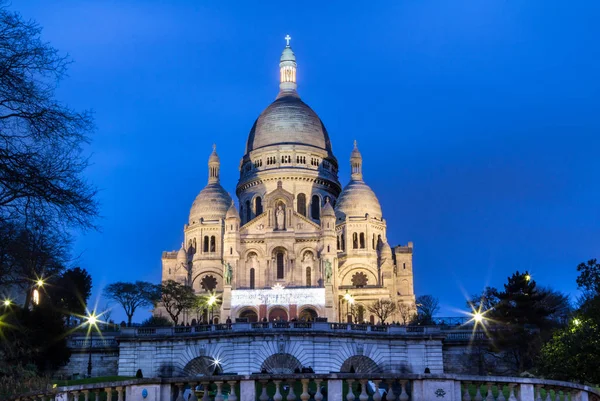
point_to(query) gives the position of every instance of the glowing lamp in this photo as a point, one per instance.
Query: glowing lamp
(40, 283)
(478, 317)
(212, 300)
(92, 319)
(7, 302)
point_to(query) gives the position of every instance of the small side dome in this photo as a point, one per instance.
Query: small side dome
(357, 200)
(327, 210)
(211, 203)
(386, 251)
(182, 255)
(232, 212)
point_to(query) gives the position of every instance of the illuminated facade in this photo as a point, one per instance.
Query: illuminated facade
(300, 245)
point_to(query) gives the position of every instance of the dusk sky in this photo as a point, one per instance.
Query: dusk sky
(477, 121)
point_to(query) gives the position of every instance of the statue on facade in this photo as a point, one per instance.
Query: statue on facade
(328, 271)
(279, 218)
(227, 273)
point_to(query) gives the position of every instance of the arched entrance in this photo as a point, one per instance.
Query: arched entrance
(278, 313)
(360, 364)
(308, 315)
(202, 366)
(281, 364)
(250, 315)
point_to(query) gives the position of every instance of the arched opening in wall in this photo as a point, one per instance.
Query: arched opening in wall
(338, 243)
(379, 242)
(215, 320)
(404, 287)
(281, 364)
(280, 265)
(278, 314)
(301, 204)
(308, 277)
(374, 242)
(315, 208)
(250, 315)
(362, 240)
(372, 319)
(354, 241)
(248, 211)
(360, 364)
(252, 278)
(258, 205)
(205, 247)
(202, 366)
(213, 244)
(308, 315)
(343, 242)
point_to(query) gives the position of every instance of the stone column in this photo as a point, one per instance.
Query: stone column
(526, 392)
(334, 390)
(247, 390)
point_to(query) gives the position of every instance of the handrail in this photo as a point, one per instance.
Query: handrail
(528, 386)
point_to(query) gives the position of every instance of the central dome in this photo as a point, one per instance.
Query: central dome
(288, 120)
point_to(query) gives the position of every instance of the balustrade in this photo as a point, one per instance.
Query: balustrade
(323, 387)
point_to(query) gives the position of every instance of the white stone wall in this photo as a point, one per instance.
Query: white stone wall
(244, 354)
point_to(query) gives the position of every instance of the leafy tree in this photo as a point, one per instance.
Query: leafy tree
(407, 312)
(71, 292)
(383, 308)
(177, 297)
(36, 336)
(573, 352)
(427, 306)
(157, 321)
(132, 296)
(41, 161)
(28, 253)
(485, 301)
(589, 276)
(521, 320)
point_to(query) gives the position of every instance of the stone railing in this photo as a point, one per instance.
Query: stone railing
(82, 342)
(318, 387)
(288, 326)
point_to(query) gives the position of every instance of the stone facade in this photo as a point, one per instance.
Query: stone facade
(296, 228)
(252, 351)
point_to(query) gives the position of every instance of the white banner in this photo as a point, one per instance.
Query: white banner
(285, 296)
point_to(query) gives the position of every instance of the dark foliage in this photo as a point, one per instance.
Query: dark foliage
(71, 291)
(41, 140)
(132, 296)
(176, 298)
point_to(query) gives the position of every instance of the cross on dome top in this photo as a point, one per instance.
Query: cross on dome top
(287, 40)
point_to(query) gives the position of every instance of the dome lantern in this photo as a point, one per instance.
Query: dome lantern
(287, 68)
(214, 165)
(356, 164)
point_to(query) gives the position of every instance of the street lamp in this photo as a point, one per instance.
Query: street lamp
(211, 301)
(7, 302)
(92, 320)
(351, 302)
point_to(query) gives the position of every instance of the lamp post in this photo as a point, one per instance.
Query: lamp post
(91, 321)
(211, 302)
(479, 318)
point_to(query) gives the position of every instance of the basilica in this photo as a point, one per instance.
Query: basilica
(300, 246)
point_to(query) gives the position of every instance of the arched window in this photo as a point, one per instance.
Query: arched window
(213, 244)
(354, 241)
(258, 205)
(279, 265)
(252, 278)
(248, 211)
(315, 208)
(343, 242)
(338, 243)
(205, 248)
(362, 240)
(301, 204)
(231, 250)
(328, 248)
(308, 277)
(373, 241)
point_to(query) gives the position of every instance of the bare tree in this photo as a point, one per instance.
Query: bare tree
(41, 140)
(383, 308)
(407, 312)
(132, 295)
(427, 306)
(177, 297)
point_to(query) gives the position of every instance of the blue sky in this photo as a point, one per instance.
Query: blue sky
(477, 121)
